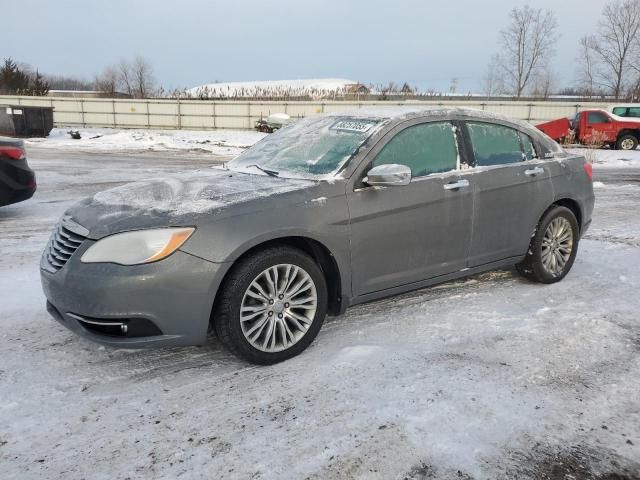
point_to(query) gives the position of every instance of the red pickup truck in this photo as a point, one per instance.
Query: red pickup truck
(595, 127)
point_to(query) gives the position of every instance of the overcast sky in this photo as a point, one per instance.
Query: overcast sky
(191, 42)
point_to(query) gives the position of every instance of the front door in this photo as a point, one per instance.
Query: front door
(599, 129)
(405, 234)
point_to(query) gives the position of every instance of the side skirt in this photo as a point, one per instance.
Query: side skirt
(507, 262)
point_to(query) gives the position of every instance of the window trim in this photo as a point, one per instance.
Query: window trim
(471, 159)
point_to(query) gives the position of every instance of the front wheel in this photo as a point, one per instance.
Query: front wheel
(627, 142)
(271, 306)
(553, 248)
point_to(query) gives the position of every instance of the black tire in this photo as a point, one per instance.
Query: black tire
(226, 312)
(532, 266)
(627, 142)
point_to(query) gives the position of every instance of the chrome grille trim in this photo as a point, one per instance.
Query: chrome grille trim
(62, 245)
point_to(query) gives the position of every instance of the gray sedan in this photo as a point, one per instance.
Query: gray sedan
(332, 211)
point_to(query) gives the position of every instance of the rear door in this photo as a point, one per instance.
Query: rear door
(405, 234)
(512, 189)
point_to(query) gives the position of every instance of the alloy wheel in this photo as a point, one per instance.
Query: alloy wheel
(557, 245)
(278, 308)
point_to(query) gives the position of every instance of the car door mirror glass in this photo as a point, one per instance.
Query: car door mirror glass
(388, 175)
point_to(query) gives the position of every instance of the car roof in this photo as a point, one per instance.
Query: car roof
(400, 112)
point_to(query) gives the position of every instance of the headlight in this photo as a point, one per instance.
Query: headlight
(134, 248)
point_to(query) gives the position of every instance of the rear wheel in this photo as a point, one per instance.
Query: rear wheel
(553, 248)
(271, 306)
(627, 142)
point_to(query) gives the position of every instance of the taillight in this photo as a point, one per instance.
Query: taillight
(588, 169)
(14, 153)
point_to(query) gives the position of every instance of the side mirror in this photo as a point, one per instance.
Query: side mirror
(390, 175)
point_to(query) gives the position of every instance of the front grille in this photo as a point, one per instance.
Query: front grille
(62, 245)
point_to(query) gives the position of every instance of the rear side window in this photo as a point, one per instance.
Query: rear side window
(597, 117)
(426, 148)
(494, 144)
(634, 112)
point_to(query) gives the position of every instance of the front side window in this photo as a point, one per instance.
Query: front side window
(425, 148)
(620, 111)
(597, 117)
(494, 144)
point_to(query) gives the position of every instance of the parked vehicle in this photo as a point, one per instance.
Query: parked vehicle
(595, 126)
(331, 211)
(17, 180)
(632, 110)
(273, 122)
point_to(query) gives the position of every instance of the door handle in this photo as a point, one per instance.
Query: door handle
(532, 172)
(456, 185)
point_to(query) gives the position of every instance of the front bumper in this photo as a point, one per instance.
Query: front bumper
(167, 303)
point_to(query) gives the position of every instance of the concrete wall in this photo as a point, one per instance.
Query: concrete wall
(210, 114)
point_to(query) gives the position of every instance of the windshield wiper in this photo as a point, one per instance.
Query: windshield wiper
(271, 173)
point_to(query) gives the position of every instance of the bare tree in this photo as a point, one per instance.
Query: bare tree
(543, 83)
(492, 82)
(142, 77)
(587, 66)
(615, 47)
(107, 81)
(527, 45)
(125, 77)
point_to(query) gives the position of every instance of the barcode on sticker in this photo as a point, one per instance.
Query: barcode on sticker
(353, 125)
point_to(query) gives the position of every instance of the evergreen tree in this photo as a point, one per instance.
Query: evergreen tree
(40, 86)
(12, 79)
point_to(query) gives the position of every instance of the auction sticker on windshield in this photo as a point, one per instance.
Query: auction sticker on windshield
(353, 125)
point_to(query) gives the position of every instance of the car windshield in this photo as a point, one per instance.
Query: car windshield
(313, 147)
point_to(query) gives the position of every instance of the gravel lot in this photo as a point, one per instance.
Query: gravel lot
(491, 377)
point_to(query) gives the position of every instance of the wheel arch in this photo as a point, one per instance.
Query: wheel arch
(629, 131)
(320, 253)
(572, 205)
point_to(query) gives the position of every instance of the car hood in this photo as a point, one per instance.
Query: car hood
(177, 200)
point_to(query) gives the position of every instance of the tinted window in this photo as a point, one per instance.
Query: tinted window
(425, 148)
(621, 111)
(494, 144)
(634, 112)
(527, 145)
(597, 117)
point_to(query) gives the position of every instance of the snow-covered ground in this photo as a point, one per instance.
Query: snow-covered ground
(491, 377)
(606, 158)
(218, 142)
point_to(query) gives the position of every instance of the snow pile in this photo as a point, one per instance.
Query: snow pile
(316, 88)
(217, 142)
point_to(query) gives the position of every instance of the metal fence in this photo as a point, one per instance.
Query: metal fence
(210, 114)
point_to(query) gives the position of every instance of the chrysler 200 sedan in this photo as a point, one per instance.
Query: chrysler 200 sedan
(332, 211)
